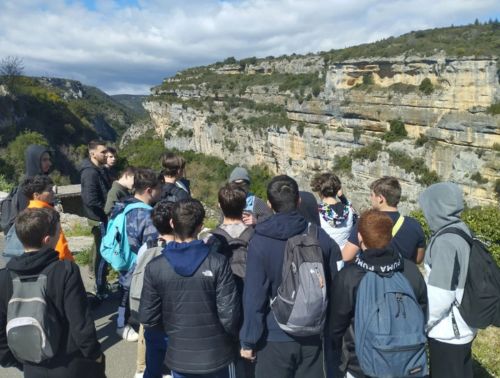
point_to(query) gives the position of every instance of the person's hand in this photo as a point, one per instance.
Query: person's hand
(247, 354)
(339, 193)
(248, 218)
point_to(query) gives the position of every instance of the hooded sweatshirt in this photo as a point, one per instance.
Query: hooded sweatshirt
(263, 274)
(66, 293)
(32, 156)
(446, 263)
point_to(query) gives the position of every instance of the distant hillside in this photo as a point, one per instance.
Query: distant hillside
(133, 103)
(65, 113)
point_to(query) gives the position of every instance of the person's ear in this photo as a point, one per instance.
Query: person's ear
(46, 240)
(299, 201)
(36, 195)
(360, 240)
(172, 223)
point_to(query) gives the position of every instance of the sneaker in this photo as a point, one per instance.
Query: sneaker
(127, 333)
(139, 375)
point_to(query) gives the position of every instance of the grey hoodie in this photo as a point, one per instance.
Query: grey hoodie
(446, 262)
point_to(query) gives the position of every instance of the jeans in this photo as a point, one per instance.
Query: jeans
(156, 347)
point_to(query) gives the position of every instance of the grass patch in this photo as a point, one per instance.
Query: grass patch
(485, 351)
(369, 152)
(79, 229)
(82, 258)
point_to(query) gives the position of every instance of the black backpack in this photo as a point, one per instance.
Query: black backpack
(480, 306)
(9, 208)
(172, 193)
(235, 249)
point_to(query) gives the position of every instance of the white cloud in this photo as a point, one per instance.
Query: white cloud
(131, 48)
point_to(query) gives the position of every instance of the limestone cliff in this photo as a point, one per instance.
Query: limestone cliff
(303, 115)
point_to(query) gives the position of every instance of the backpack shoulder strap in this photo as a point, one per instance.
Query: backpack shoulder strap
(136, 205)
(456, 231)
(247, 234)
(313, 230)
(397, 225)
(221, 232)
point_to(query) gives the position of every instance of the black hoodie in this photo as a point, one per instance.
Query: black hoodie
(66, 293)
(32, 159)
(95, 187)
(343, 298)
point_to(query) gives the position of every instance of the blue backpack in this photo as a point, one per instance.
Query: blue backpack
(115, 248)
(389, 327)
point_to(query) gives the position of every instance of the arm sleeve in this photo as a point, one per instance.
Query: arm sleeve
(90, 190)
(341, 309)
(255, 298)
(110, 201)
(81, 323)
(228, 300)
(150, 307)
(443, 279)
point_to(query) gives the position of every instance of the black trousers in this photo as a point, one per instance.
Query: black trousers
(290, 360)
(75, 367)
(450, 360)
(98, 266)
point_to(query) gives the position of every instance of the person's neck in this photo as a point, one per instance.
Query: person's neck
(387, 208)
(232, 221)
(142, 198)
(122, 182)
(170, 179)
(329, 200)
(186, 240)
(95, 162)
(167, 237)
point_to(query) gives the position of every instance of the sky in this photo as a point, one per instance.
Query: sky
(129, 46)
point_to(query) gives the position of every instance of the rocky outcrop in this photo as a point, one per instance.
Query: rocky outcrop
(338, 108)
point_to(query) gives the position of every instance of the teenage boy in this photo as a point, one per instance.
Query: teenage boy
(276, 353)
(95, 188)
(377, 255)
(256, 209)
(408, 236)
(446, 265)
(110, 166)
(78, 353)
(140, 230)
(190, 292)
(121, 189)
(152, 343)
(176, 187)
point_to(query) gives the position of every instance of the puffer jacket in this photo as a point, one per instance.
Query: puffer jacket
(189, 290)
(95, 187)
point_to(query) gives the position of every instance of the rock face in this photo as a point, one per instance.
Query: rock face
(340, 107)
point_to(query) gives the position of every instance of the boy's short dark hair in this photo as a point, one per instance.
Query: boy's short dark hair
(33, 224)
(161, 216)
(283, 193)
(172, 163)
(93, 144)
(326, 184)
(187, 216)
(111, 150)
(375, 228)
(389, 188)
(129, 171)
(232, 200)
(145, 178)
(36, 184)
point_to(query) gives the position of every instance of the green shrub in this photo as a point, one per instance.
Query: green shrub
(230, 145)
(300, 128)
(342, 164)
(496, 147)
(421, 140)
(416, 165)
(426, 86)
(369, 152)
(497, 187)
(322, 127)
(185, 133)
(494, 109)
(397, 131)
(477, 177)
(17, 148)
(145, 151)
(316, 89)
(368, 79)
(5, 185)
(483, 221)
(356, 134)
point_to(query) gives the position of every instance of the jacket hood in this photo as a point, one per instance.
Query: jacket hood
(186, 258)
(309, 207)
(32, 262)
(86, 164)
(282, 226)
(33, 155)
(381, 261)
(442, 204)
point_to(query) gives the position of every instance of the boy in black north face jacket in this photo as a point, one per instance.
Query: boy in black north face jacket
(190, 291)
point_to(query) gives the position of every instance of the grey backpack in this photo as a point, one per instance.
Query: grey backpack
(33, 330)
(300, 304)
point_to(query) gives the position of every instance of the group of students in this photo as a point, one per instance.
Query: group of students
(290, 288)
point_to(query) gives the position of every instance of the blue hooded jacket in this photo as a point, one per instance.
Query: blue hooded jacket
(263, 274)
